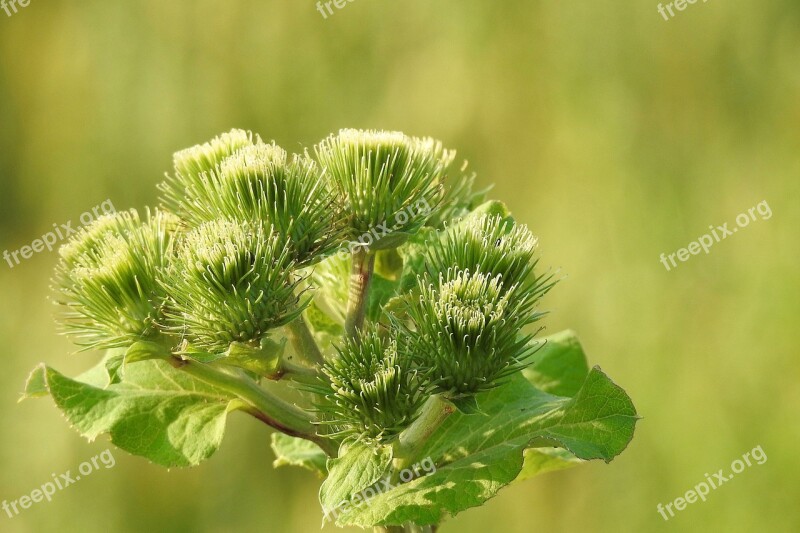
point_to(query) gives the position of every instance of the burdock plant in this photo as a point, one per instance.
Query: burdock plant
(421, 347)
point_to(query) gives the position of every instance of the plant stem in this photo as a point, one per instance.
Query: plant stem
(261, 404)
(300, 373)
(303, 341)
(360, 278)
(389, 529)
(434, 413)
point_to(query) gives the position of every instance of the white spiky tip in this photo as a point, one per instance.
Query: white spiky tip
(89, 238)
(471, 300)
(207, 156)
(253, 160)
(371, 138)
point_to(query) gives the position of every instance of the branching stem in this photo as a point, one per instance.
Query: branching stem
(303, 341)
(270, 409)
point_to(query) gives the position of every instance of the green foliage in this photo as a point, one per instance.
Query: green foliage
(291, 451)
(476, 455)
(437, 365)
(156, 411)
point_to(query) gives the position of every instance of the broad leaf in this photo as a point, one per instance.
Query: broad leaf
(293, 451)
(358, 466)
(559, 366)
(155, 411)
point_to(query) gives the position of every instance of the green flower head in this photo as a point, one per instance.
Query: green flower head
(373, 392)
(230, 282)
(489, 244)
(187, 188)
(466, 331)
(386, 178)
(107, 279)
(261, 183)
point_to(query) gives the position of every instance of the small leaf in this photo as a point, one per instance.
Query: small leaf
(392, 240)
(542, 460)
(324, 328)
(36, 385)
(359, 465)
(292, 451)
(263, 361)
(145, 351)
(467, 405)
(107, 372)
(381, 291)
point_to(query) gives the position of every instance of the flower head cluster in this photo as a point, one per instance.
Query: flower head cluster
(213, 280)
(185, 189)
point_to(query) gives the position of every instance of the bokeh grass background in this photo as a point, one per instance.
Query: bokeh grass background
(615, 135)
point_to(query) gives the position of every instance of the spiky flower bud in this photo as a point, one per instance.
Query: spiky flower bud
(186, 186)
(491, 244)
(107, 279)
(230, 282)
(373, 391)
(261, 183)
(187, 189)
(383, 174)
(467, 331)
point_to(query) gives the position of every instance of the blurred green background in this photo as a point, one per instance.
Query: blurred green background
(615, 135)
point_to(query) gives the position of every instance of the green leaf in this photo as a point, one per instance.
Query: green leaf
(478, 455)
(263, 361)
(324, 329)
(392, 240)
(413, 254)
(293, 451)
(388, 263)
(467, 405)
(145, 351)
(381, 291)
(108, 372)
(156, 411)
(36, 385)
(359, 465)
(541, 460)
(559, 367)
